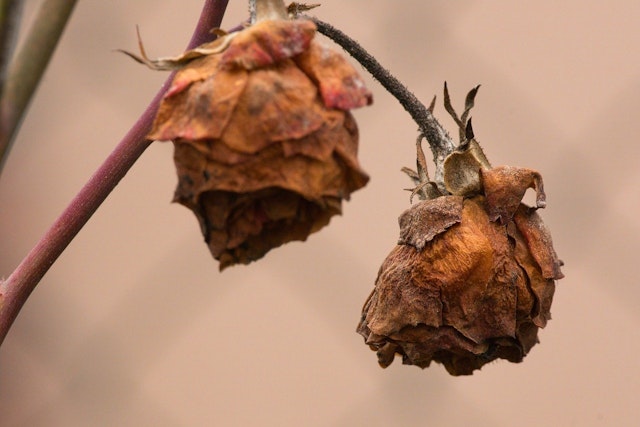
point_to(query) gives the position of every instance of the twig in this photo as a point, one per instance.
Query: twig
(10, 11)
(25, 72)
(19, 285)
(438, 138)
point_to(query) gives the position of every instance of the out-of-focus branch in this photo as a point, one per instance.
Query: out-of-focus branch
(16, 289)
(10, 11)
(26, 70)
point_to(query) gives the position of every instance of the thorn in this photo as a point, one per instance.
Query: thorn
(432, 106)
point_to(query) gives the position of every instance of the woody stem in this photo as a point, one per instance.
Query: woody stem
(438, 138)
(24, 71)
(15, 290)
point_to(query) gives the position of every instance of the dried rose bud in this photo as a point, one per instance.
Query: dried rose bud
(472, 277)
(265, 146)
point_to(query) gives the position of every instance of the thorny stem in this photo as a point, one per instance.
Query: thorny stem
(27, 68)
(19, 285)
(438, 138)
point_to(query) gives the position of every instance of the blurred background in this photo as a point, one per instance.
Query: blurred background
(135, 326)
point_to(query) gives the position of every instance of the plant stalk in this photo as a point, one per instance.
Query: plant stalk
(26, 70)
(10, 13)
(437, 137)
(16, 289)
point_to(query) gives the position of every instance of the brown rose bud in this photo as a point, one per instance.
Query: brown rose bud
(265, 146)
(472, 277)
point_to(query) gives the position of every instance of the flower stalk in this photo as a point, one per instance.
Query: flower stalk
(15, 290)
(437, 137)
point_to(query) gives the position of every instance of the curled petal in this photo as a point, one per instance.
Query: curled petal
(539, 242)
(504, 187)
(340, 85)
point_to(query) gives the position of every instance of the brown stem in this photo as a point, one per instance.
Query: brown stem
(19, 285)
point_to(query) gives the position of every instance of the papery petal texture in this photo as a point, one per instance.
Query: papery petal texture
(265, 145)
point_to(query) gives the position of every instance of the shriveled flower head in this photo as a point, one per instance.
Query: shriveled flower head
(472, 277)
(265, 146)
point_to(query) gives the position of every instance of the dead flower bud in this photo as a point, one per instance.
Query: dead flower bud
(472, 277)
(265, 146)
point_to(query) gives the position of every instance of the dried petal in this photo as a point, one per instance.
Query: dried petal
(279, 104)
(542, 289)
(177, 62)
(340, 85)
(203, 106)
(425, 220)
(538, 239)
(268, 42)
(505, 186)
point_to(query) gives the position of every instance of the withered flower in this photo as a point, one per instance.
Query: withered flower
(472, 277)
(265, 145)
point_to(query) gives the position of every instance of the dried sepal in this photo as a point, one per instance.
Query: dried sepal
(177, 62)
(461, 168)
(462, 172)
(468, 105)
(294, 9)
(425, 188)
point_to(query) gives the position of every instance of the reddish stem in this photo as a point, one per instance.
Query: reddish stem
(16, 289)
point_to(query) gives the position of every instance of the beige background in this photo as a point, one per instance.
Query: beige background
(135, 326)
